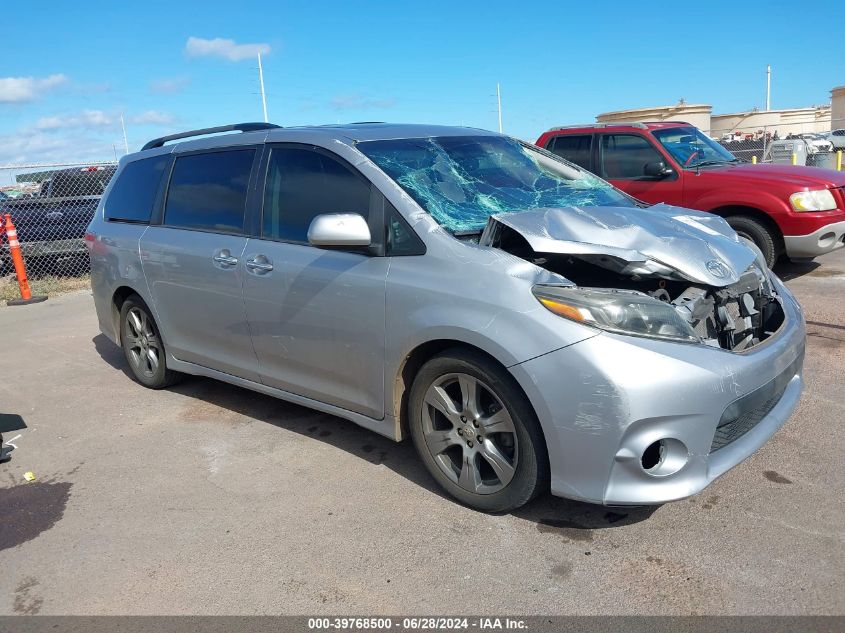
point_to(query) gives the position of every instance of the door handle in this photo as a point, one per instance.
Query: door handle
(259, 266)
(225, 259)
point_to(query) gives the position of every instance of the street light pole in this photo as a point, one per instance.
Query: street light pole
(768, 87)
(123, 125)
(261, 81)
(499, 104)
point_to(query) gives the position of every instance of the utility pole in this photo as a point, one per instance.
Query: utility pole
(261, 81)
(123, 125)
(768, 87)
(499, 104)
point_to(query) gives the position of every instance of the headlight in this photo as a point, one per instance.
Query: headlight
(620, 311)
(816, 200)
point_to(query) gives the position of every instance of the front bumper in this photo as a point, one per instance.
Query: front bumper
(827, 238)
(604, 400)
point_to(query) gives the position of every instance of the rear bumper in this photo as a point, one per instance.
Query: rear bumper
(827, 238)
(603, 401)
(47, 248)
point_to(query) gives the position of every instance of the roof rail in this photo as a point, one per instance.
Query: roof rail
(235, 127)
(598, 125)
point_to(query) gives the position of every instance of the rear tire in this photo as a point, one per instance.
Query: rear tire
(754, 230)
(142, 345)
(476, 432)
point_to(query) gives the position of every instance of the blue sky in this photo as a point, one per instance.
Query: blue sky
(69, 70)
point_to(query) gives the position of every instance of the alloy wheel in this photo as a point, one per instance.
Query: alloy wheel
(469, 433)
(141, 342)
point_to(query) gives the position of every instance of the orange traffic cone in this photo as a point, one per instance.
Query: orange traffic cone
(20, 269)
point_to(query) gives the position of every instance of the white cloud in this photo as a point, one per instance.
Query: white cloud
(23, 89)
(78, 137)
(100, 120)
(357, 102)
(152, 117)
(223, 48)
(87, 119)
(28, 147)
(169, 85)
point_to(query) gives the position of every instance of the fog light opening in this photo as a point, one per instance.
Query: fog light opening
(653, 455)
(827, 239)
(664, 457)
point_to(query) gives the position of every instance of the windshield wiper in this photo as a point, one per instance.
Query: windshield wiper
(704, 163)
(466, 233)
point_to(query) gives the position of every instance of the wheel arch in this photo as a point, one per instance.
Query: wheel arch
(119, 296)
(417, 357)
(728, 210)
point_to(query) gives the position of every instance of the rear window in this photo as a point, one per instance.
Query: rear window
(207, 192)
(134, 192)
(575, 148)
(85, 181)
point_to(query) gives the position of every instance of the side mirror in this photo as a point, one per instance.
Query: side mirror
(337, 230)
(656, 170)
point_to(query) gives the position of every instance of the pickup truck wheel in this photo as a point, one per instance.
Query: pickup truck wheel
(476, 432)
(757, 232)
(142, 345)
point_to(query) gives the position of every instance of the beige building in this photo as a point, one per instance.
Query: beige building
(788, 121)
(821, 118)
(837, 108)
(698, 114)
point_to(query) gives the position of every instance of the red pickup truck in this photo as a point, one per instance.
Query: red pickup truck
(785, 210)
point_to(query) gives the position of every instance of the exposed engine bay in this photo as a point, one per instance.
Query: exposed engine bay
(735, 316)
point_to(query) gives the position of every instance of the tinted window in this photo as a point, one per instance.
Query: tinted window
(208, 191)
(401, 239)
(625, 155)
(85, 181)
(302, 184)
(574, 148)
(132, 197)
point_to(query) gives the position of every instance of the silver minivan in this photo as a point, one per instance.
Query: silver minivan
(527, 324)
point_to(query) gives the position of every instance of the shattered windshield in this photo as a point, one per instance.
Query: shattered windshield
(463, 180)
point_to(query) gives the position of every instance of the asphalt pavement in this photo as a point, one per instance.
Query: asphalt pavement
(209, 499)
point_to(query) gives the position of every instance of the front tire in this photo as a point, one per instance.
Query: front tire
(142, 345)
(476, 432)
(757, 232)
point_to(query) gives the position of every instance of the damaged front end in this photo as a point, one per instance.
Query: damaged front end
(659, 272)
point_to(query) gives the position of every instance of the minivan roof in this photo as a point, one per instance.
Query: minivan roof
(352, 132)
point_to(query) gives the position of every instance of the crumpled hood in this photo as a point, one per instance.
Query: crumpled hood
(701, 247)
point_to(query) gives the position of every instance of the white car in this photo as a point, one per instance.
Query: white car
(816, 143)
(837, 138)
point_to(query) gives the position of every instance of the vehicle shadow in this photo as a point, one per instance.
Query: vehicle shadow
(111, 353)
(573, 519)
(788, 270)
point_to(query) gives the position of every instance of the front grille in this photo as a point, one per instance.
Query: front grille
(736, 428)
(744, 414)
(736, 317)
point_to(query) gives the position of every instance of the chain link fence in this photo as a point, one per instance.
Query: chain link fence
(811, 144)
(51, 206)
